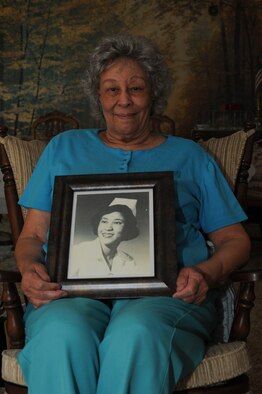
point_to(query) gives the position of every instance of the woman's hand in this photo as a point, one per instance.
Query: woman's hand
(232, 246)
(36, 283)
(191, 285)
(37, 286)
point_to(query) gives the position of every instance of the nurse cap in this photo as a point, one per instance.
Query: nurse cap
(129, 202)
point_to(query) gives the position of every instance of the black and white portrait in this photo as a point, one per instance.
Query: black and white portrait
(112, 235)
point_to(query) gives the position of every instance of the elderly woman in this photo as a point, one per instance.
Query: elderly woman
(101, 257)
(137, 346)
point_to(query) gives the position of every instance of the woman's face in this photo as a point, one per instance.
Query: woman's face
(125, 96)
(110, 228)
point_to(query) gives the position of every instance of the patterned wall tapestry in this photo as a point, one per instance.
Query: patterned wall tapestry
(212, 48)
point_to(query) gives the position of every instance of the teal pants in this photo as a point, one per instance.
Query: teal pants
(134, 346)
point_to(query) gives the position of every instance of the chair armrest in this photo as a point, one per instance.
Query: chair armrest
(9, 272)
(14, 316)
(8, 269)
(10, 276)
(246, 276)
(251, 272)
(12, 306)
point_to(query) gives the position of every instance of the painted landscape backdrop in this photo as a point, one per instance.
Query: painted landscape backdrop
(213, 49)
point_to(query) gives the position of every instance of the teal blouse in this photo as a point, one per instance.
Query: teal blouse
(203, 200)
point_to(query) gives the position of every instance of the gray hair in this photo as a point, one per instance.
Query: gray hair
(138, 48)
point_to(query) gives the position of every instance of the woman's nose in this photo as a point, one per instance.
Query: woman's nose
(124, 97)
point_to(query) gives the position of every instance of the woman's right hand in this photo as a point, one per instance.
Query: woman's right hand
(37, 285)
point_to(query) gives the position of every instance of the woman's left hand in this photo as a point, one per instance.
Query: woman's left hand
(232, 246)
(191, 285)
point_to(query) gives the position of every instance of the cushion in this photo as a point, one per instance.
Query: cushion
(222, 362)
(225, 307)
(23, 156)
(228, 152)
(11, 371)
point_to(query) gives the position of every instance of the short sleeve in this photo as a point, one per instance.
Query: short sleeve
(219, 206)
(38, 192)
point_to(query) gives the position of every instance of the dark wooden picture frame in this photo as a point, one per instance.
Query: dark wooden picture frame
(160, 226)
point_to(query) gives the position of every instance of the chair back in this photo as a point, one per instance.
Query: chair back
(18, 158)
(52, 123)
(14, 211)
(233, 153)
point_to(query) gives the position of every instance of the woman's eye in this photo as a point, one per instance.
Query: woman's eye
(112, 90)
(136, 88)
(119, 222)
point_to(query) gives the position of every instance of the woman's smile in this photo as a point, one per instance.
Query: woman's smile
(125, 116)
(107, 235)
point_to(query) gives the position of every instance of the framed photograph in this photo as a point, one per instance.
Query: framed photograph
(113, 235)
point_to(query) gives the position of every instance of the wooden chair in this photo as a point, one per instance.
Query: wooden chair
(224, 368)
(52, 123)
